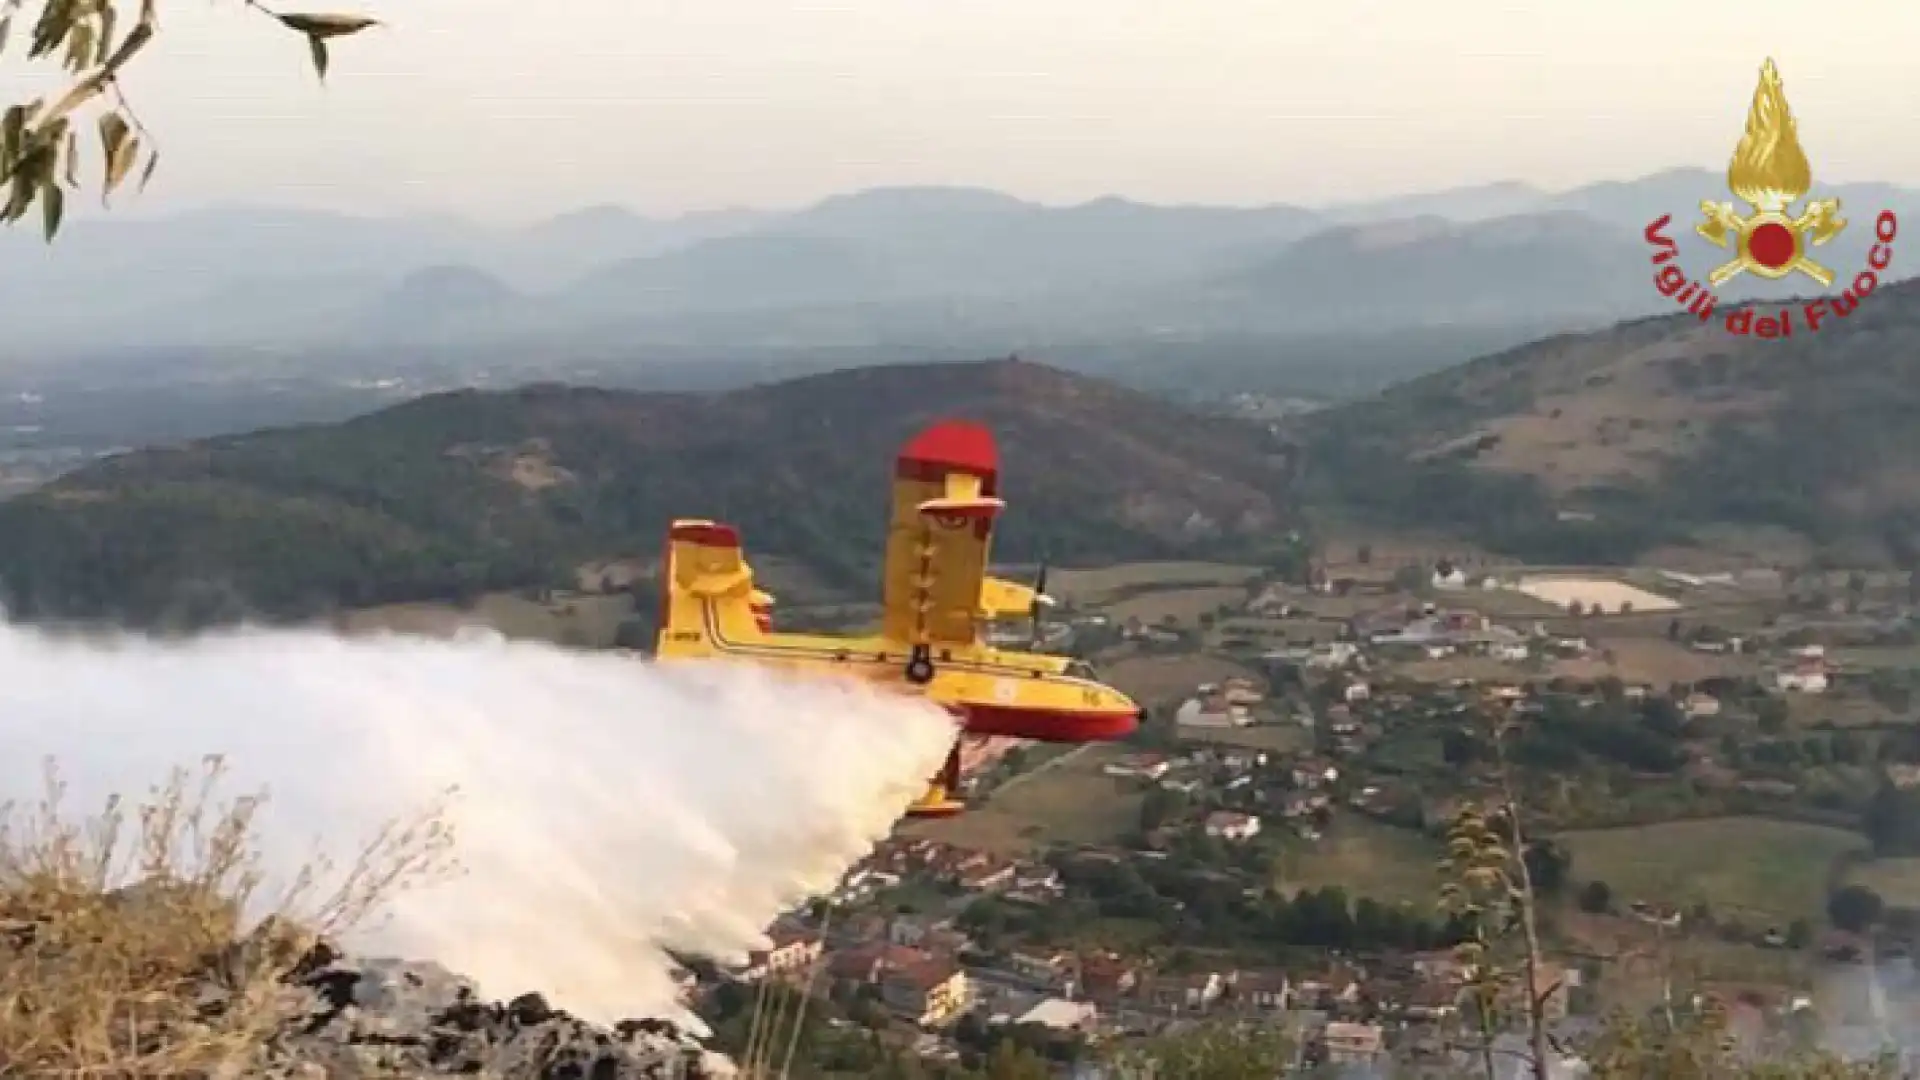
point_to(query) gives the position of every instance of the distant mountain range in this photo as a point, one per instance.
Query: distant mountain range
(906, 272)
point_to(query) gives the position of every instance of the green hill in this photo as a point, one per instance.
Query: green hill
(455, 494)
(1596, 447)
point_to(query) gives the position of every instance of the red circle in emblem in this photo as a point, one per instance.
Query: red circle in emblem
(1772, 245)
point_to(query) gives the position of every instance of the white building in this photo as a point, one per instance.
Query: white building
(1231, 826)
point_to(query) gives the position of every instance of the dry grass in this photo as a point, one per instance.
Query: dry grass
(141, 941)
(1155, 679)
(1366, 858)
(1072, 803)
(1097, 586)
(1659, 662)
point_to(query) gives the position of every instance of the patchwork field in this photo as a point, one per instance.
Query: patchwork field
(1070, 803)
(1366, 858)
(1753, 868)
(1085, 587)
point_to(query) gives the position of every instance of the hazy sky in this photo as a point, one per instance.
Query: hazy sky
(509, 109)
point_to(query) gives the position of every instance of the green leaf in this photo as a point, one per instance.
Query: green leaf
(6, 27)
(317, 45)
(56, 22)
(118, 148)
(53, 204)
(328, 26)
(80, 46)
(73, 158)
(108, 16)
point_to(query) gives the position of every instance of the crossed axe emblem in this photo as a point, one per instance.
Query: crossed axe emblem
(1817, 224)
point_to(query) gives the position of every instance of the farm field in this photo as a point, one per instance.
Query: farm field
(1601, 593)
(1752, 868)
(1896, 880)
(1643, 960)
(1661, 662)
(1086, 587)
(1071, 803)
(1155, 679)
(1366, 858)
(1183, 605)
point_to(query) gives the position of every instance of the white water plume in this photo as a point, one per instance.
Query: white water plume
(607, 809)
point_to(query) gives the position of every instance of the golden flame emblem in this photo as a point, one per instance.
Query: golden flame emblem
(1769, 172)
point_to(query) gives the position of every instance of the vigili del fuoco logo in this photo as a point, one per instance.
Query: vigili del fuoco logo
(1769, 173)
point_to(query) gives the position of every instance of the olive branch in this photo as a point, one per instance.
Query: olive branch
(40, 140)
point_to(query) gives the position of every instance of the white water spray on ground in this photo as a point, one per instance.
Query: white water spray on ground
(607, 809)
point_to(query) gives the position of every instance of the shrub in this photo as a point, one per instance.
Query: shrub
(139, 941)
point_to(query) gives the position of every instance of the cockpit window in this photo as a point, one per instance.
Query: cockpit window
(1080, 669)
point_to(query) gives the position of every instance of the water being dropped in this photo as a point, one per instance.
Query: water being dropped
(605, 810)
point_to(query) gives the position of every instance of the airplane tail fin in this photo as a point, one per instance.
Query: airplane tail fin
(707, 598)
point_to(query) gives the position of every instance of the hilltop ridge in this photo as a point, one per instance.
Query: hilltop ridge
(1601, 445)
(456, 493)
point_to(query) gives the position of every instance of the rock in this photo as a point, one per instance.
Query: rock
(358, 1017)
(347, 1018)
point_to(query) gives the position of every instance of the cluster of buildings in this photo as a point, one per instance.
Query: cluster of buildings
(924, 971)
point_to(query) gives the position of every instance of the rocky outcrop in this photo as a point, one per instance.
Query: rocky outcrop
(349, 1018)
(335, 1017)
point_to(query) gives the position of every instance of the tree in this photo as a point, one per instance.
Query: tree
(1799, 934)
(1854, 908)
(1548, 864)
(1772, 714)
(1409, 579)
(94, 43)
(635, 633)
(1011, 1061)
(1596, 897)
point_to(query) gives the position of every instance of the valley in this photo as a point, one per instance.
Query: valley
(1610, 572)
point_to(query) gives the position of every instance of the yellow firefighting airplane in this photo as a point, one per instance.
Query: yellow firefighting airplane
(937, 600)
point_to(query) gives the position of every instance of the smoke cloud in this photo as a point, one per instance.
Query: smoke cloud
(606, 809)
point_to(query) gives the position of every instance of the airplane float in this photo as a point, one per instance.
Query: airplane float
(937, 600)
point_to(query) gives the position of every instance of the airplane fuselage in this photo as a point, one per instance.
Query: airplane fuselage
(992, 691)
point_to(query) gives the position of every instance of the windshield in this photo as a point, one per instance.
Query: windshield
(1080, 669)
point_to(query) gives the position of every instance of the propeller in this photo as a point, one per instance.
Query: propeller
(1040, 600)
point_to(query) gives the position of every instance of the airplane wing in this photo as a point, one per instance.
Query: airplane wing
(1003, 599)
(944, 504)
